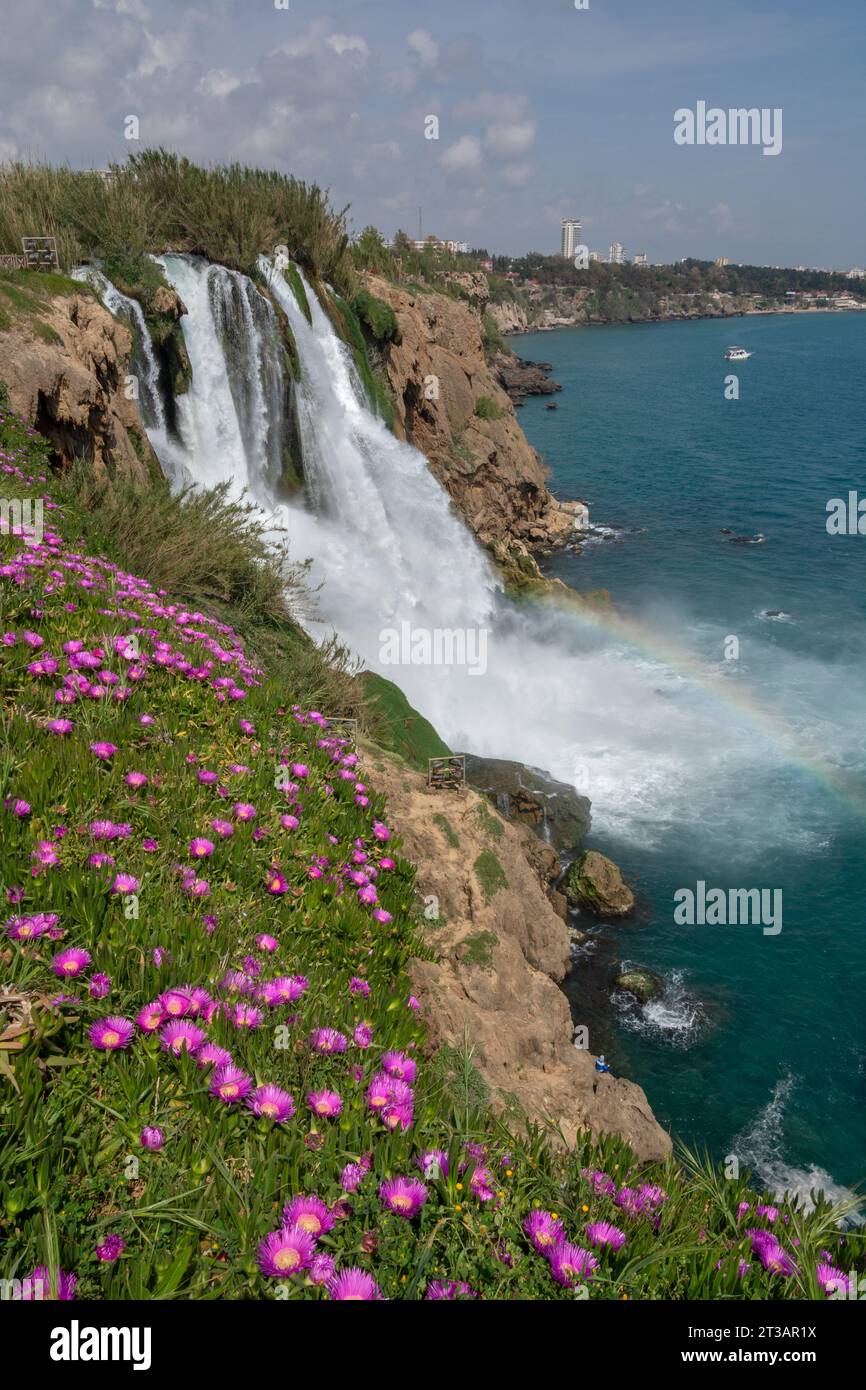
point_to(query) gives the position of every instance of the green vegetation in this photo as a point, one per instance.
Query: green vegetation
(27, 295)
(490, 874)
(478, 950)
(396, 726)
(492, 339)
(487, 409)
(447, 828)
(157, 200)
(490, 823)
(377, 316)
(347, 325)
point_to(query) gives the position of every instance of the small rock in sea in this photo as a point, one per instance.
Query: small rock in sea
(551, 405)
(643, 984)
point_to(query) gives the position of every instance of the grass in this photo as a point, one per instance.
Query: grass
(397, 727)
(486, 408)
(490, 874)
(26, 295)
(158, 200)
(203, 939)
(447, 829)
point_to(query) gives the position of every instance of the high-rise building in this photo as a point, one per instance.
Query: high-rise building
(571, 230)
(640, 258)
(617, 253)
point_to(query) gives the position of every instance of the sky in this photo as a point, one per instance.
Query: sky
(544, 111)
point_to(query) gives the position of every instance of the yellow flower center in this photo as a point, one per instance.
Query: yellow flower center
(110, 1038)
(287, 1259)
(310, 1223)
(230, 1089)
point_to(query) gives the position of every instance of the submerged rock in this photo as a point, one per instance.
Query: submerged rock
(554, 810)
(594, 882)
(643, 984)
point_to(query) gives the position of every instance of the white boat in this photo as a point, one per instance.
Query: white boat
(736, 354)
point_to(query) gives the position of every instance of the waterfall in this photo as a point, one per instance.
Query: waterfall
(232, 418)
(400, 572)
(144, 371)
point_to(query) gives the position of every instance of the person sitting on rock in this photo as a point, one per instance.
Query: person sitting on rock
(601, 1064)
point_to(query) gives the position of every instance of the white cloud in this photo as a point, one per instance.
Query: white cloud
(425, 46)
(516, 175)
(508, 140)
(463, 155)
(220, 82)
(348, 43)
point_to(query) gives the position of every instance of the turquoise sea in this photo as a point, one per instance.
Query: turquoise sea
(757, 1045)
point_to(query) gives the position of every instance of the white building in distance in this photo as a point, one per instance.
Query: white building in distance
(616, 255)
(571, 230)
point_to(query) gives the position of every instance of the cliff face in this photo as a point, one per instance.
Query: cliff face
(64, 363)
(501, 948)
(450, 405)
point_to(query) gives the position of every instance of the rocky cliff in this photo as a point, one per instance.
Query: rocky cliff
(63, 358)
(500, 950)
(449, 403)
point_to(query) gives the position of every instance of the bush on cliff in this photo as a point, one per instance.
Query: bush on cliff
(158, 200)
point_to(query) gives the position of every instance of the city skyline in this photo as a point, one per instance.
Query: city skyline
(494, 119)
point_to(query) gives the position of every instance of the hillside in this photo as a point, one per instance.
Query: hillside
(206, 1014)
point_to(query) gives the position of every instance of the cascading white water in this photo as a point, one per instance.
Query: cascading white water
(231, 420)
(646, 743)
(145, 371)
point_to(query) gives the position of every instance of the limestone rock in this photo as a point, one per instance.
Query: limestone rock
(594, 882)
(499, 957)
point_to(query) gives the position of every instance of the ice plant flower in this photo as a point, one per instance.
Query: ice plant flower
(110, 1249)
(200, 848)
(570, 1264)
(433, 1164)
(285, 1252)
(399, 1065)
(110, 1034)
(272, 1103)
(123, 884)
(276, 882)
(327, 1040)
(544, 1230)
(68, 964)
(152, 1138)
(41, 1277)
(310, 1214)
(181, 1035)
(603, 1233)
(321, 1268)
(103, 751)
(404, 1196)
(353, 1286)
(230, 1084)
(326, 1104)
(100, 986)
(833, 1282)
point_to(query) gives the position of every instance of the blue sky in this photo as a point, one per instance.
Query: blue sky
(544, 111)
